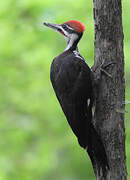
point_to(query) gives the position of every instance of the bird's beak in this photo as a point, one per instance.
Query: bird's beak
(56, 27)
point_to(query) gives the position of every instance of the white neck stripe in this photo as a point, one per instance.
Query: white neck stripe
(71, 40)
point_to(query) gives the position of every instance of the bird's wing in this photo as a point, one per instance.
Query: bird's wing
(72, 85)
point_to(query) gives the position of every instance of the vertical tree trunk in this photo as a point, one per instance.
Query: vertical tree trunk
(110, 100)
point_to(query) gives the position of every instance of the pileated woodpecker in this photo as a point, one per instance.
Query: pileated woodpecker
(71, 80)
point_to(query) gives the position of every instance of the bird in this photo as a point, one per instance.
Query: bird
(71, 79)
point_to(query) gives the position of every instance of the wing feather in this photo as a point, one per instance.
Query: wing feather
(72, 85)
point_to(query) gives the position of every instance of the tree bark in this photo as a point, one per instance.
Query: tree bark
(110, 98)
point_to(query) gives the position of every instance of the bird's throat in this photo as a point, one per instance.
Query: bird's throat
(72, 42)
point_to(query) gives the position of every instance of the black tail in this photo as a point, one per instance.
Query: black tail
(97, 153)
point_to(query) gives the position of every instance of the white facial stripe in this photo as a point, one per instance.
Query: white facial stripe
(60, 27)
(71, 38)
(69, 27)
(64, 31)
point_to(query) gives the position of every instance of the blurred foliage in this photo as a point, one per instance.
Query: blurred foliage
(35, 140)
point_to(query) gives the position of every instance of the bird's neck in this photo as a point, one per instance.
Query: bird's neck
(72, 42)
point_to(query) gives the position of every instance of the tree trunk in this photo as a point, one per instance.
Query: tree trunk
(110, 99)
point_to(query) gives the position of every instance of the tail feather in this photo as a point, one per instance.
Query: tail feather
(97, 152)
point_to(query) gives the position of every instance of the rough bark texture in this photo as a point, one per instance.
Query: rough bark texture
(110, 100)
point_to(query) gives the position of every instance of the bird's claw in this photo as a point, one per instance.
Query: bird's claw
(102, 69)
(96, 75)
(105, 72)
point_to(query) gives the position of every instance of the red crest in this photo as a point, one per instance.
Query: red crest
(77, 25)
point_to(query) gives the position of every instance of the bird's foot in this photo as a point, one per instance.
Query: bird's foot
(106, 73)
(101, 69)
(96, 75)
(103, 66)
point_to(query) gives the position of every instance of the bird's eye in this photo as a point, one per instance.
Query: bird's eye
(64, 26)
(67, 28)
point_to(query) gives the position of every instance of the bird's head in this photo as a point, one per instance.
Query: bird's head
(72, 30)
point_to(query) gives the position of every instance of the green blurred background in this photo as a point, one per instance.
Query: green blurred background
(36, 142)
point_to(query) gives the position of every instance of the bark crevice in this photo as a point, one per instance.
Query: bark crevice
(110, 94)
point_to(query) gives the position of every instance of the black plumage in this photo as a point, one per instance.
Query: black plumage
(71, 80)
